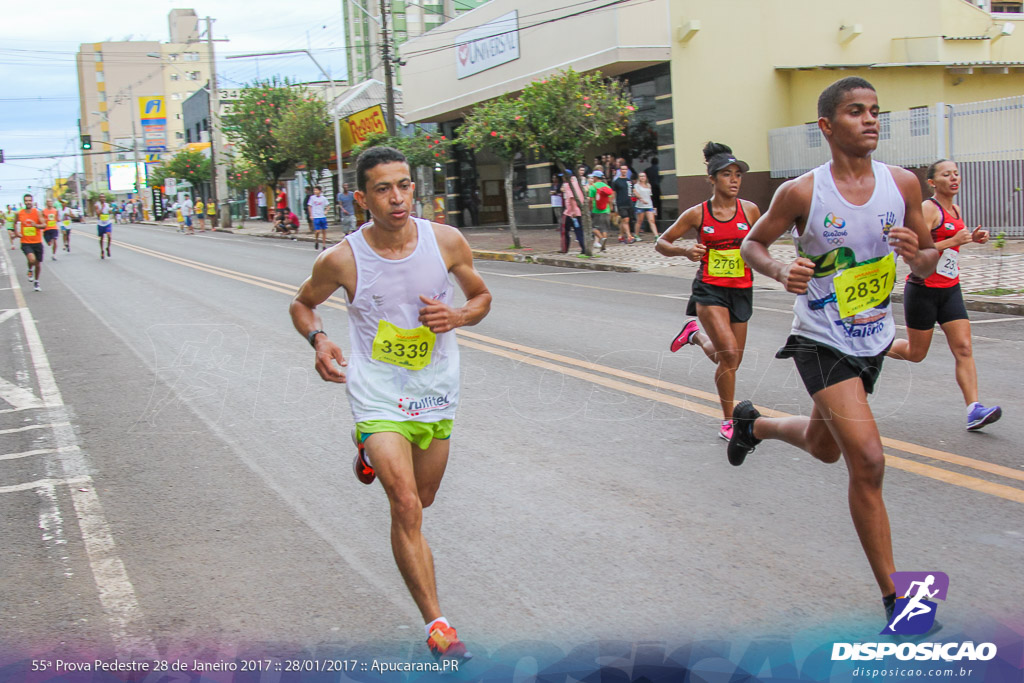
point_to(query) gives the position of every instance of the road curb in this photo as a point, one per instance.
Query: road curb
(986, 304)
(562, 262)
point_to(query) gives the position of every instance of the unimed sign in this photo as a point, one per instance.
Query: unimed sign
(487, 46)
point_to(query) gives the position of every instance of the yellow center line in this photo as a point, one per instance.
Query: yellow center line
(586, 371)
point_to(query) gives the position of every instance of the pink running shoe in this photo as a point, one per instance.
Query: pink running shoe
(683, 338)
(726, 430)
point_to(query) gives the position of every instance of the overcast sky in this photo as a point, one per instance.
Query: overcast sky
(39, 98)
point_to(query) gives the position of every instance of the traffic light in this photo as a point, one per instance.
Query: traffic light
(86, 142)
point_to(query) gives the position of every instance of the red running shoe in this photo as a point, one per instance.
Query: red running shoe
(685, 335)
(360, 465)
(444, 643)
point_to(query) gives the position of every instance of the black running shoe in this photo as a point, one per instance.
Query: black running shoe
(742, 442)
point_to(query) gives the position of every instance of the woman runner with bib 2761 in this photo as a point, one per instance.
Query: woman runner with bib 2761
(722, 297)
(938, 299)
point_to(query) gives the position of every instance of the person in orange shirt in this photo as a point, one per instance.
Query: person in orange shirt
(28, 227)
(51, 220)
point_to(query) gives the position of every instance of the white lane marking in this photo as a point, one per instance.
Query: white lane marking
(997, 320)
(52, 525)
(18, 397)
(116, 593)
(38, 483)
(31, 427)
(9, 313)
(27, 454)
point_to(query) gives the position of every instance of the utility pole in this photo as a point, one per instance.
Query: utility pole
(220, 186)
(135, 146)
(389, 86)
(78, 177)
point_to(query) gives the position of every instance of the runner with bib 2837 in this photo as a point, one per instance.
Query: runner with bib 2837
(722, 297)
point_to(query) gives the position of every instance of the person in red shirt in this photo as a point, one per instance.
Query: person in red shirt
(282, 199)
(722, 296)
(29, 229)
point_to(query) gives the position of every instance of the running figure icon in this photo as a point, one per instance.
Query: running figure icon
(915, 604)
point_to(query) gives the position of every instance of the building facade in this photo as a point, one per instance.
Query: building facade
(506, 44)
(742, 68)
(113, 76)
(406, 21)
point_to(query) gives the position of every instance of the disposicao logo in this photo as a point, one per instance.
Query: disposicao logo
(914, 613)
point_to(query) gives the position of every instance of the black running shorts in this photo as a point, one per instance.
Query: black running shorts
(924, 306)
(33, 248)
(739, 301)
(822, 366)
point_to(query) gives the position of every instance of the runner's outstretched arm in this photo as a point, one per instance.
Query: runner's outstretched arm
(913, 241)
(687, 222)
(787, 209)
(459, 259)
(323, 282)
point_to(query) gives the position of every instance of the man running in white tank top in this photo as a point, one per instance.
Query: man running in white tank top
(848, 218)
(403, 365)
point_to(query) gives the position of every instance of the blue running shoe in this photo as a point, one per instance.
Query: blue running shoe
(978, 416)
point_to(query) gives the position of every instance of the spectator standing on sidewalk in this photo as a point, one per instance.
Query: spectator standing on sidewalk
(654, 177)
(572, 198)
(282, 200)
(601, 207)
(624, 204)
(556, 198)
(347, 209)
(316, 207)
(645, 212)
(261, 203)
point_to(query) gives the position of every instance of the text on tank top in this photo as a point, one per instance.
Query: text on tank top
(721, 264)
(847, 305)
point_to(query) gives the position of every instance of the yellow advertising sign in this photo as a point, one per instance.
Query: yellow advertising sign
(152, 107)
(357, 127)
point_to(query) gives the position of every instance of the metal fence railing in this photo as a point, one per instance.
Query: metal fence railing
(986, 139)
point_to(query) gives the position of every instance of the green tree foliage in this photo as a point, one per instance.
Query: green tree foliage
(421, 149)
(558, 118)
(188, 165)
(500, 126)
(243, 176)
(253, 125)
(569, 112)
(306, 136)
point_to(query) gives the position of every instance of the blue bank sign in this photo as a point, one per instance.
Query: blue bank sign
(488, 45)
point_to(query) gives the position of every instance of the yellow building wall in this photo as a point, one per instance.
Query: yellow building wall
(727, 86)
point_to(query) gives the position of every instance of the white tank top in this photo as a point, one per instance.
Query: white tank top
(389, 290)
(839, 236)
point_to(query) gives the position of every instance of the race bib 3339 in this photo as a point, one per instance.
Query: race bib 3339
(410, 349)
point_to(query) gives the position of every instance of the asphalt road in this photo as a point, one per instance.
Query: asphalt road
(175, 477)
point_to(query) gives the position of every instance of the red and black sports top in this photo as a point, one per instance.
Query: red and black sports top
(723, 236)
(948, 263)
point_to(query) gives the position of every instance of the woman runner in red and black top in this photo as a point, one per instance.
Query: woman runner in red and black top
(938, 299)
(722, 296)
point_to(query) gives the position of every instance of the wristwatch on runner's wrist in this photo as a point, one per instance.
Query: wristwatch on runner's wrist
(312, 335)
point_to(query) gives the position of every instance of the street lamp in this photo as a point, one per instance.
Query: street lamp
(334, 119)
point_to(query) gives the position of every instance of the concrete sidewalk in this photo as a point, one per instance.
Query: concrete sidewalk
(983, 267)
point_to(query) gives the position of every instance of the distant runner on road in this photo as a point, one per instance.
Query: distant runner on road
(29, 229)
(403, 364)
(105, 225)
